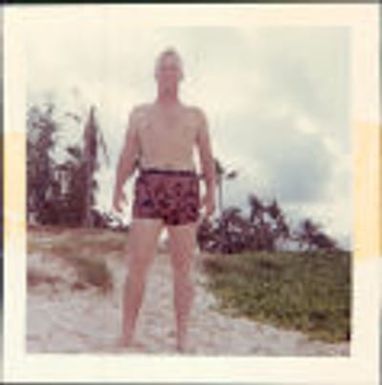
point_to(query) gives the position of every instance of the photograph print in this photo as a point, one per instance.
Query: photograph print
(188, 189)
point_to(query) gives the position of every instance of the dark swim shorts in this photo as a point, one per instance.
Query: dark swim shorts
(172, 195)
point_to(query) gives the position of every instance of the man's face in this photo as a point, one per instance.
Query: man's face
(169, 72)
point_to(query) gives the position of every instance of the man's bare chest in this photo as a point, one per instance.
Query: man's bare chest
(164, 124)
(167, 121)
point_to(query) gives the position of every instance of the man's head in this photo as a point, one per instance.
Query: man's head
(169, 68)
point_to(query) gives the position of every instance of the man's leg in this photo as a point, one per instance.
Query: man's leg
(182, 242)
(142, 244)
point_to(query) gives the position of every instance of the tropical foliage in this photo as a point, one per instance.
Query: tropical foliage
(62, 193)
(265, 228)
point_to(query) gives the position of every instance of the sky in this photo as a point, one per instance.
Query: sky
(277, 100)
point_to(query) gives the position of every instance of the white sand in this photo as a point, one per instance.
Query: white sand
(62, 320)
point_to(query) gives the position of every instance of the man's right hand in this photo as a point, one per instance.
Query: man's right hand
(118, 200)
(208, 201)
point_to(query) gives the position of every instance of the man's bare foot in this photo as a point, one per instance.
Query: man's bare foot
(132, 345)
(185, 349)
(123, 342)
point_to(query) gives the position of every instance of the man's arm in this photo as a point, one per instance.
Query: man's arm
(129, 154)
(205, 154)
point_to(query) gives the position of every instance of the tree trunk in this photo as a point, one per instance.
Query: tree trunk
(88, 192)
(220, 191)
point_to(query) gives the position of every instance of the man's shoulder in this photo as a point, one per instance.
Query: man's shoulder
(141, 109)
(196, 115)
(195, 111)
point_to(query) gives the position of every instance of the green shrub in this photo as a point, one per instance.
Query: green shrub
(305, 291)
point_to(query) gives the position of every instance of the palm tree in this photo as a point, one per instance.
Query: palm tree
(306, 233)
(256, 209)
(221, 174)
(219, 180)
(236, 228)
(311, 234)
(281, 229)
(93, 138)
(76, 190)
(42, 128)
(267, 230)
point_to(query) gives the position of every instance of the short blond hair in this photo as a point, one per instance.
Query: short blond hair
(170, 51)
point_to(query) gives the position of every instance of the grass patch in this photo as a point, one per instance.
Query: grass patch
(94, 273)
(62, 241)
(85, 249)
(35, 278)
(305, 291)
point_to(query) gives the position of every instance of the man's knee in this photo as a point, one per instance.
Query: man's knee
(184, 281)
(138, 268)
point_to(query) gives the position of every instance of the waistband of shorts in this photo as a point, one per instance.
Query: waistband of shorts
(152, 170)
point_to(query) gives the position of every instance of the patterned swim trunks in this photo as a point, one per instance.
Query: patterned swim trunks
(172, 195)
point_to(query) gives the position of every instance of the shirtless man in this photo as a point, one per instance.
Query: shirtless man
(160, 139)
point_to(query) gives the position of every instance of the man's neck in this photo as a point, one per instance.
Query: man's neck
(167, 98)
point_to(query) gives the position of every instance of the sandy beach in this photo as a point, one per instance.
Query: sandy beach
(64, 319)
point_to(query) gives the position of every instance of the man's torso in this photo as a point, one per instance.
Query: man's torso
(167, 137)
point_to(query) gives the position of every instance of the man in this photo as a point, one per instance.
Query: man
(160, 138)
